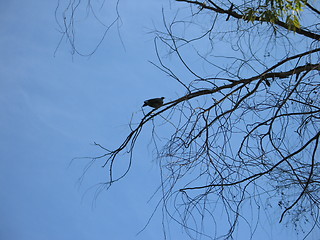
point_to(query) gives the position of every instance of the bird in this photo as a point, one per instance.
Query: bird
(154, 102)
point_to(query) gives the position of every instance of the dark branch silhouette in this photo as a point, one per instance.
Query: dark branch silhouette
(243, 138)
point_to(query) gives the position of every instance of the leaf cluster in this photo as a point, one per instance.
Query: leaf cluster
(277, 10)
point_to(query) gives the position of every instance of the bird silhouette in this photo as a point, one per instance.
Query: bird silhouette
(154, 102)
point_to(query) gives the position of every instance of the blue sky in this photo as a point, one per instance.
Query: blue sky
(54, 106)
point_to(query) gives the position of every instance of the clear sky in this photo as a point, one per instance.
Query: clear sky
(54, 106)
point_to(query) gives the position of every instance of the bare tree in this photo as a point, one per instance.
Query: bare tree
(244, 136)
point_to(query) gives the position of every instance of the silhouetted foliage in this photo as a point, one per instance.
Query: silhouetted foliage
(244, 137)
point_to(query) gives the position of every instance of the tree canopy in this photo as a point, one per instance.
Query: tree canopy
(243, 137)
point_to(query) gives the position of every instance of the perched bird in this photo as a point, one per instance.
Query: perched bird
(154, 102)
